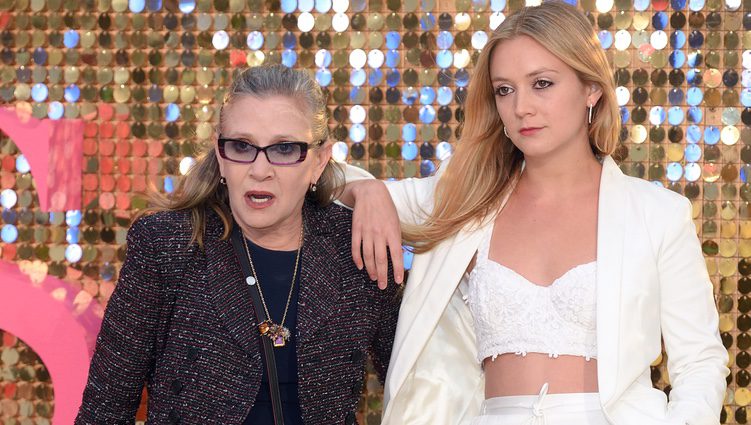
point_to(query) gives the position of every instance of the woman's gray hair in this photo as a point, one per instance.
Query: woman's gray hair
(278, 80)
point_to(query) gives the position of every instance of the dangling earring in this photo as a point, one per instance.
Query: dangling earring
(313, 187)
(506, 132)
(222, 181)
(589, 117)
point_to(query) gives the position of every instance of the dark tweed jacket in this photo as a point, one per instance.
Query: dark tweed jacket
(181, 320)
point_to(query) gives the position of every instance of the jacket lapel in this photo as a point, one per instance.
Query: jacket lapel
(433, 279)
(229, 292)
(611, 216)
(320, 279)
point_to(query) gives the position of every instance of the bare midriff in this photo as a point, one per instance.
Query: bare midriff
(512, 374)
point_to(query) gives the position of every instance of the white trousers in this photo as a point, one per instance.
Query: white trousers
(543, 409)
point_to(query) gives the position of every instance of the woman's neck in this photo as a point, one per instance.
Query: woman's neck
(286, 237)
(561, 173)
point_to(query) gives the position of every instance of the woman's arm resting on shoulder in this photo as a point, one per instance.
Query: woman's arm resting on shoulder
(412, 197)
(375, 226)
(124, 351)
(379, 207)
(697, 360)
(376, 230)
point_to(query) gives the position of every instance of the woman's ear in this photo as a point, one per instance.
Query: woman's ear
(594, 94)
(323, 157)
(218, 157)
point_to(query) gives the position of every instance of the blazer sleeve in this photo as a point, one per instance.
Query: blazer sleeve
(413, 197)
(124, 353)
(696, 357)
(380, 349)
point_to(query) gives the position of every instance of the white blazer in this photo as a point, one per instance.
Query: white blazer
(652, 282)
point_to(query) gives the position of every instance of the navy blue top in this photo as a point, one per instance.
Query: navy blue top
(274, 271)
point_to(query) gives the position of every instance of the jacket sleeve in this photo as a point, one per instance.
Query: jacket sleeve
(696, 357)
(380, 348)
(124, 353)
(413, 197)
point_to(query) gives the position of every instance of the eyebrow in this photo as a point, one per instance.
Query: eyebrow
(250, 138)
(499, 78)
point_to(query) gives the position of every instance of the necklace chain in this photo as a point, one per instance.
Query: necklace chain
(272, 330)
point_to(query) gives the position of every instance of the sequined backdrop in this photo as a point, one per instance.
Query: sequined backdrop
(146, 76)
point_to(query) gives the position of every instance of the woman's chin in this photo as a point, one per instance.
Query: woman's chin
(266, 219)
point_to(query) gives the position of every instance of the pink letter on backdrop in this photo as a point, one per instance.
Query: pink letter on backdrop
(60, 324)
(54, 150)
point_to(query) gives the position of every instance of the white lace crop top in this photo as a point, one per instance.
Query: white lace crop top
(513, 315)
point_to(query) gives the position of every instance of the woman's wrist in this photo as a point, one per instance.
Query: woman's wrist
(364, 188)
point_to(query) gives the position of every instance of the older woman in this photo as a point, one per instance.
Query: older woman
(238, 302)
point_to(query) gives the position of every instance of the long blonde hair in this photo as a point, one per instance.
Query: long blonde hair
(200, 188)
(486, 163)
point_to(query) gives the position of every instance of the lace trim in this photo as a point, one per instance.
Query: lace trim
(492, 352)
(513, 315)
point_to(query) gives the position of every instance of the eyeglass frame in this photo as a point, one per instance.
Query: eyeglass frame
(304, 146)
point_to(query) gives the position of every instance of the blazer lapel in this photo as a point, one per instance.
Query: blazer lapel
(320, 279)
(611, 230)
(433, 280)
(229, 292)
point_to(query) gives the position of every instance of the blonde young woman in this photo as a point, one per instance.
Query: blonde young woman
(545, 278)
